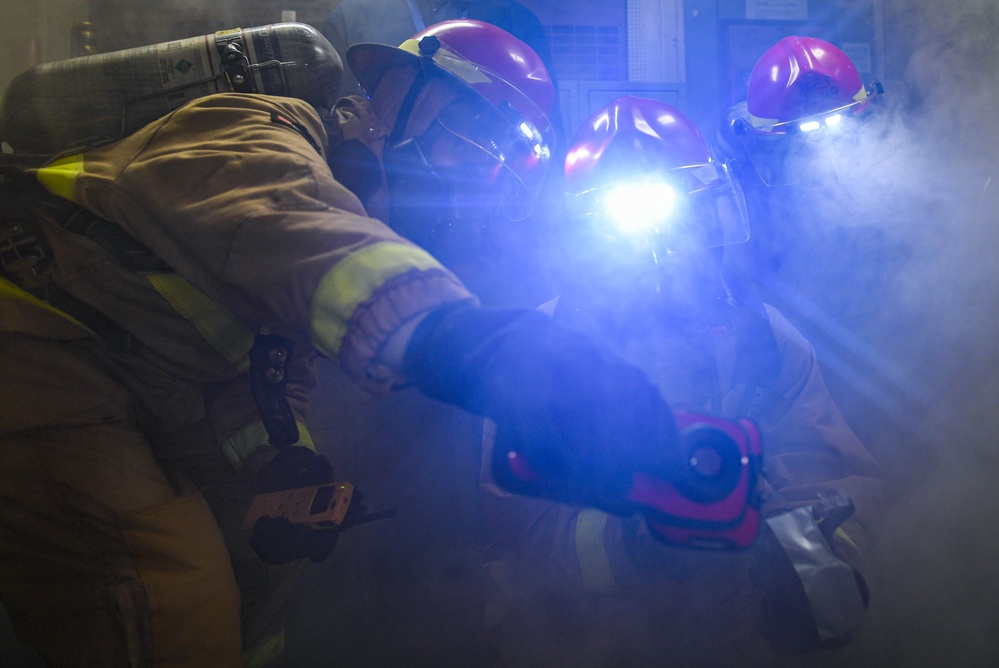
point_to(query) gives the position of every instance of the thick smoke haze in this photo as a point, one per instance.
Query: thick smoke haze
(894, 278)
(937, 324)
(892, 272)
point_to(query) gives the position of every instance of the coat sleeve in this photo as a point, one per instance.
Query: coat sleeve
(810, 450)
(233, 192)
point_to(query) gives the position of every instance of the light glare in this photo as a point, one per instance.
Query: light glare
(638, 208)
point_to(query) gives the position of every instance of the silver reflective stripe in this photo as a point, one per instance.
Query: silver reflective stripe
(265, 653)
(216, 324)
(594, 564)
(829, 582)
(240, 446)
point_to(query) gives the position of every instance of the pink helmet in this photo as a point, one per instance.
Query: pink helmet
(508, 71)
(632, 134)
(499, 69)
(645, 167)
(798, 81)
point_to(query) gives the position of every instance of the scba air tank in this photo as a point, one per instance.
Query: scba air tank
(75, 104)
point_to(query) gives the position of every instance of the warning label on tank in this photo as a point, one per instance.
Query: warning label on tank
(180, 65)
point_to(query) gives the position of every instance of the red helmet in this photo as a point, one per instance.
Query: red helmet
(801, 83)
(498, 69)
(804, 94)
(643, 166)
(469, 107)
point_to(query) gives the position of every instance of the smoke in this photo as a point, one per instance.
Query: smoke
(920, 299)
(889, 268)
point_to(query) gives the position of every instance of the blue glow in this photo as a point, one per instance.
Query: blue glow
(639, 208)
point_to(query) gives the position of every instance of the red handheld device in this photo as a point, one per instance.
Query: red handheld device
(715, 501)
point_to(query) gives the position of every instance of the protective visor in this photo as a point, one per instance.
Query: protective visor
(684, 209)
(490, 114)
(780, 151)
(866, 97)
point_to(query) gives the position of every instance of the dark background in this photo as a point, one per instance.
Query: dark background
(897, 290)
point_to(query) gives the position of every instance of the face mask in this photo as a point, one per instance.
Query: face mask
(447, 197)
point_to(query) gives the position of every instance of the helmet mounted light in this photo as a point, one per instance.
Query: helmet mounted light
(868, 96)
(648, 207)
(639, 207)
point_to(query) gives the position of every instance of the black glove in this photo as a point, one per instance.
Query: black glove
(583, 419)
(275, 539)
(812, 599)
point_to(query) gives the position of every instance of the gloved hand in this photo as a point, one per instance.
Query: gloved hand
(812, 599)
(275, 539)
(583, 419)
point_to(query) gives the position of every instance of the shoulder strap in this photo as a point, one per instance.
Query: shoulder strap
(26, 256)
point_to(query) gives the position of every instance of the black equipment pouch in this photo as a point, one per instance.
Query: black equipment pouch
(270, 359)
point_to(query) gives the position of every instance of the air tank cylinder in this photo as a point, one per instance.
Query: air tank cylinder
(75, 104)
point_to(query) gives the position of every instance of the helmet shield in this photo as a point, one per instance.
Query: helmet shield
(447, 196)
(494, 118)
(450, 192)
(786, 153)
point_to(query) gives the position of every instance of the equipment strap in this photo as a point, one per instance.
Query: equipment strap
(26, 259)
(235, 65)
(417, 16)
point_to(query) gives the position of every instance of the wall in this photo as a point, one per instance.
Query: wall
(936, 318)
(33, 31)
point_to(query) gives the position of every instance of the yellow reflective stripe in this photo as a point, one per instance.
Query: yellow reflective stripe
(594, 564)
(240, 446)
(457, 65)
(214, 322)
(59, 176)
(10, 289)
(841, 535)
(265, 652)
(352, 282)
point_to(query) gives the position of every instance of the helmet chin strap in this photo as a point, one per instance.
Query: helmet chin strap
(408, 171)
(427, 209)
(419, 197)
(405, 112)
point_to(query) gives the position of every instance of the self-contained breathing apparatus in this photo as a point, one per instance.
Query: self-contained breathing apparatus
(72, 105)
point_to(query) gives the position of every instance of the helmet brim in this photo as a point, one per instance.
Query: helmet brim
(369, 62)
(500, 129)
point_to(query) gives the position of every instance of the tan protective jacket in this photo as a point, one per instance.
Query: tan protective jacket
(233, 198)
(233, 194)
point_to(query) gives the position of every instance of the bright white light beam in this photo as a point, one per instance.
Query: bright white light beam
(639, 207)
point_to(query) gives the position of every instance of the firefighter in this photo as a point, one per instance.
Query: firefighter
(808, 121)
(506, 271)
(650, 212)
(165, 296)
(390, 21)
